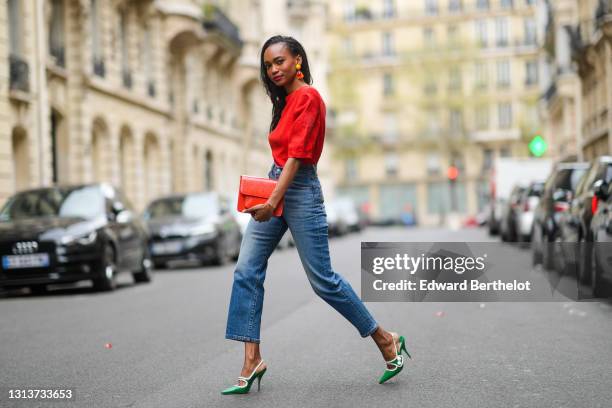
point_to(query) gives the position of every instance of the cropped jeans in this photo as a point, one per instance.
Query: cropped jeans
(304, 215)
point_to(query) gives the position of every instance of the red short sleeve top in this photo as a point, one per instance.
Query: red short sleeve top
(300, 131)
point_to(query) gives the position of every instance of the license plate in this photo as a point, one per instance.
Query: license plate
(172, 247)
(25, 261)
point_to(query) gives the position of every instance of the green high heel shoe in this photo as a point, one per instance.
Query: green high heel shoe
(397, 362)
(244, 389)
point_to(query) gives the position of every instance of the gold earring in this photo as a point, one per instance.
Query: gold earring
(299, 74)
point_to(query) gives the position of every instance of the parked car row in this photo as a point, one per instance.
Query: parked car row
(568, 220)
(66, 234)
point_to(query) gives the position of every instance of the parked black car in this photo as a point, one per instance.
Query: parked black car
(509, 213)
(575, 224)
(555, 200)
(196, 226)
(71, 233)
(601, 256)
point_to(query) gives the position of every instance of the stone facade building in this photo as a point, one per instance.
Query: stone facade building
(154, 96)
(578, 102)
(420, 87)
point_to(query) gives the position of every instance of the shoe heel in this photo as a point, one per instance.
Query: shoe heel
(259, 377)
(403, 348)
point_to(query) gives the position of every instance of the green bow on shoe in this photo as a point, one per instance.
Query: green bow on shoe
(397, 362)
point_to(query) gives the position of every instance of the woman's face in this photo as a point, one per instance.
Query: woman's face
(280, 64)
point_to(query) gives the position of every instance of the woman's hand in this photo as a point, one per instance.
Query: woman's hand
(261, 212)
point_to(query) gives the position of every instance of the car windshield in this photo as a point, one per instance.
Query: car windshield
(568, 179)
(191, 206)
(82, 202)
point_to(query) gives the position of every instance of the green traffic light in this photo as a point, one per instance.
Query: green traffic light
(537, 146)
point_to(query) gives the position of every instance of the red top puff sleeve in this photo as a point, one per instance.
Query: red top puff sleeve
(300, 132)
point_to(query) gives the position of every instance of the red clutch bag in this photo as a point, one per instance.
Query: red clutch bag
(257, 190)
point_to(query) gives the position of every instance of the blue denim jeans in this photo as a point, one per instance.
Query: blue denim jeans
(304, 215)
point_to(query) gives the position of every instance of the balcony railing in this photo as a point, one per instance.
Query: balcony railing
(216, 20)
(19, 73)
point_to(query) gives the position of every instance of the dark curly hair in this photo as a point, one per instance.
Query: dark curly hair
(277, 93)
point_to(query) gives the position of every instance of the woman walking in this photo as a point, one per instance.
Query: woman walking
(296, 137)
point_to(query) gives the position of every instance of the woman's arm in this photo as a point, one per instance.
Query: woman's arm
(291, 167)
(263, 212)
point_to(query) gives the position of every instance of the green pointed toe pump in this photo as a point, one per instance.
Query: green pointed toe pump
(397, 363)
(248, 381)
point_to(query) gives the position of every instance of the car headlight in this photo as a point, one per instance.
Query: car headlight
(81, 240)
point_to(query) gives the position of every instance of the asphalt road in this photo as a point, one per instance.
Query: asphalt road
(167, 346)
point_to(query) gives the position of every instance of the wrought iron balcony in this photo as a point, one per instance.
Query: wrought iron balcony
(216, 20)
(19, 73)
(99, 69)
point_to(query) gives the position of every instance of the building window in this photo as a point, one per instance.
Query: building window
(349, 10)
(455, 6)
(454, 79)
(125, 53)
(482, 117)
(503, 73)
(431, 7)
(347, 46)
(15, 27)
(456, 122)
(350, 169)
(433, 123)
(506, 4)
(487, 159)
(56, 33)
(149, 60)
(431, 87)
(438, 197)
(391, 164)
(481, 77)
(453, 35)
(388, 8)
(429, 38)
(530, 31)
(388, 85)
(432, 164)
(505, 152)
(481, 33)
(501, 31)
(531, 73)
(505, 115)
(387, 44)
(482, 4)
(390, 134)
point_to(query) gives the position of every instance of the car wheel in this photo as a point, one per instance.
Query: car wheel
(597, 283)
(107, 271)
(144, 274)
(221, 255)
(547, 252)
